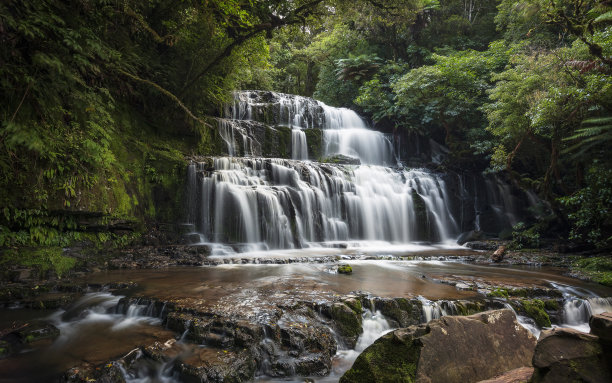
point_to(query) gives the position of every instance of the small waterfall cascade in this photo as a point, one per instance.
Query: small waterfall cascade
(374, 326)
(344, 132)
(258, 204)
(436, 309)
(579, 305)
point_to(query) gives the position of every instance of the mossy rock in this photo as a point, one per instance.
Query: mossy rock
(345, 269)
(354, 304)
(37, 331)
(400, 310)
(347, 321)
(499, 293)
(534, 309)
(551, 305)
(392, 358)
(314, 142)
(469, 307)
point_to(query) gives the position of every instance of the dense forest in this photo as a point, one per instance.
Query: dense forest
(102, 99)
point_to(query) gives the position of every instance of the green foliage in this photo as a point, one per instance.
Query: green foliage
(45, 259)
(524, 237)
(444, 98)
(589, 208)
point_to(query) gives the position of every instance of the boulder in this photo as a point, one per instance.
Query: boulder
(601, 325)
(470, 236)
(481, 245)
(342, 160)
(449, 349)
(347, 321)
(568, 355)
(215, 365)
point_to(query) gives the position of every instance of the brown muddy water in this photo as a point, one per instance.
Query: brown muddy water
(93, 333)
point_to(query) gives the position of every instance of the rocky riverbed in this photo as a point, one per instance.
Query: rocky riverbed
(143, 315)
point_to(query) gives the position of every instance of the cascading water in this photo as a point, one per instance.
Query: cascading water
(274, 203)
(256, 204)
(579, 305)
(357, 194)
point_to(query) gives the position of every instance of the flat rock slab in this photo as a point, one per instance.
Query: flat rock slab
(450, 349)
(518, 375)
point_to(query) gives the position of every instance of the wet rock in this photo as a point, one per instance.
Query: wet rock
(481, 245)
(401, 311)
(215, 365)
(37, 331)
(498, 255)
(316, 364)
(108, 373)
(601, 325)
(470, 236)
(347, 321)
(450, 349)
(342, 159)
(518, 375)
(345, 269)
(568, 355)
(535, 309)
(308, 339)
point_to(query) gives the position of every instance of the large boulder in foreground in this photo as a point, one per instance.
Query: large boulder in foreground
(568, 355)
(450, 349)
(601, 325)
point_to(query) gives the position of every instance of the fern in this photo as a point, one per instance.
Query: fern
(594, 132)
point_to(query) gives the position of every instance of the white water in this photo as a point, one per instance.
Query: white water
(580, 305)
(254, 204)
(96, 309)
(299, 148)
(374, 326)
(282, 204)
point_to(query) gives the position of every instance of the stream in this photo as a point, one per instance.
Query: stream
(101, 326)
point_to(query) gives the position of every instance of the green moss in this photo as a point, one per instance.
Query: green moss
(355, 305)
(42, 259)
(499, 293)
(345, 269)
(389, 359)
(598, 269)
(551, 304)
(534, 308)
(469, 307)
(347, 320)
(314, 142)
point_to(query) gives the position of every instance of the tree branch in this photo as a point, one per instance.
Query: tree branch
(167, 94)
(294, 17)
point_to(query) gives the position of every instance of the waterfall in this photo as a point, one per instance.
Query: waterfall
(299, 148)
(275, 203)
(347, 134)
(251, 203)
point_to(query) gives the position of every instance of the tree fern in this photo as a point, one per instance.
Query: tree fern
(594, 132)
